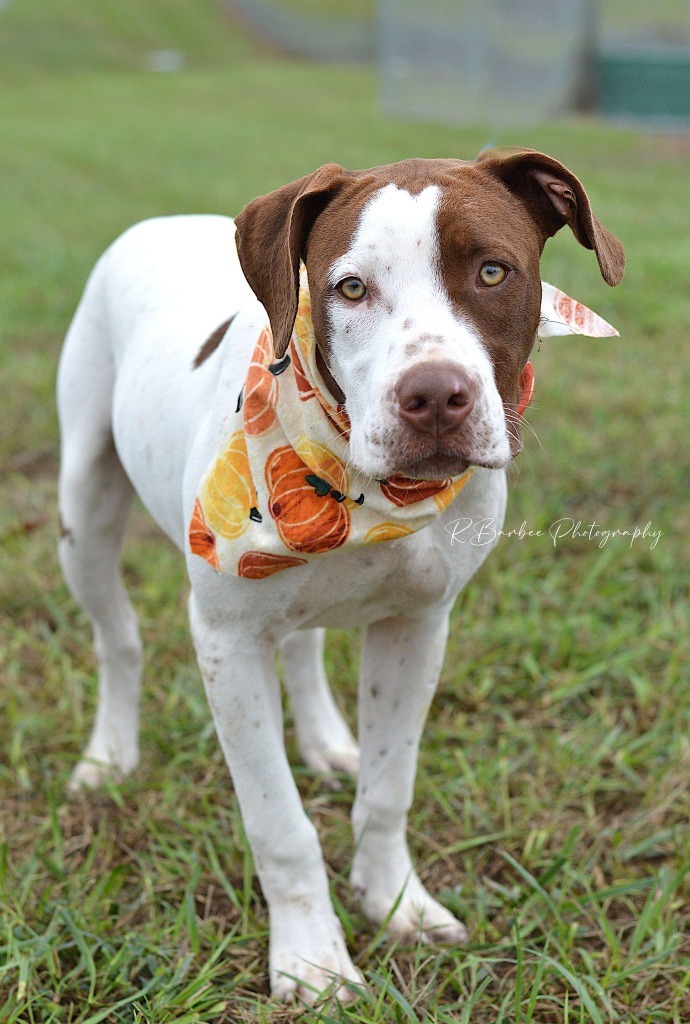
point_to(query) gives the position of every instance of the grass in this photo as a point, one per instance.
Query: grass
(552, 801)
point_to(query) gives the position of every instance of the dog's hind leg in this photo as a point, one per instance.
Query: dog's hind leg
(94, 501)
(324, 738)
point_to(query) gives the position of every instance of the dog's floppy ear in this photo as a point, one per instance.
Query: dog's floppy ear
(271, 235)
(555, 197)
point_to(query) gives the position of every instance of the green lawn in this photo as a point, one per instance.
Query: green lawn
(552, 801)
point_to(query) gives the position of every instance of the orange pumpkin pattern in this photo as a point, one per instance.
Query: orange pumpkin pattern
(305, 388)
(258, 565)
(309, 518)
(260, 389)
(387, 531)
(201, 539)
(526, 387)
(580, 318)
(339, 420)
(448, 495)
(403, 491)
(562, 315)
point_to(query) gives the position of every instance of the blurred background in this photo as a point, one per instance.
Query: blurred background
(498, 61)
(554, 768)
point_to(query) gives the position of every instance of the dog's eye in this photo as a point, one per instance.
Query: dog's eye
(491, 274)
(352, 288)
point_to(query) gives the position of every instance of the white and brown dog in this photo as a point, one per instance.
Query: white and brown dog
(425, 304)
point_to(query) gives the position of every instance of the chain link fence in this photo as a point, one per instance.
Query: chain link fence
(492, 62)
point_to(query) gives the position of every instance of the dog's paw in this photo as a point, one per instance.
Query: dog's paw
(310, 965)
(417, 915)
(327, 760)
(427, 921)
(90, 775)
(96, 773)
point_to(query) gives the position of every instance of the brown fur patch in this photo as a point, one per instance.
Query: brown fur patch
(211, 343)
(480, 220)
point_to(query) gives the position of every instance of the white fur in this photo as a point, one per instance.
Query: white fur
(126, 368)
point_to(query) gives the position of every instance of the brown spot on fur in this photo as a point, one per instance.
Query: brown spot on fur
(211, 343)
(496, 226)
(65, 533)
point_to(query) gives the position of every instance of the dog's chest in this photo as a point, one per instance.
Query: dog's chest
(380, 581)
(352, 588)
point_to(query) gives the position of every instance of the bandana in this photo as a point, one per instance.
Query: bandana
(281, 491)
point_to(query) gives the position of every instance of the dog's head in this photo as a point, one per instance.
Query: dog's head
(426, 294)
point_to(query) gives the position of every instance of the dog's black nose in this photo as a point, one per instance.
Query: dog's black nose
(435, 398)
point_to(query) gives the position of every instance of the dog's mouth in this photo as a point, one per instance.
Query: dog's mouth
(429, 458)
(438, 466)
(444, 464)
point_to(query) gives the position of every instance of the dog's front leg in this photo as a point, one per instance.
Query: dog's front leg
(401, 663)
(307, 949)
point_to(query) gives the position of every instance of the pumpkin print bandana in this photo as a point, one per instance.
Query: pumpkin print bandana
(281, 490)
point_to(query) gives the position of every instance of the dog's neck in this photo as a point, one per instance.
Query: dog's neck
(281, 490)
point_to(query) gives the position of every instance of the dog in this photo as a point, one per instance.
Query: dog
(404, 300)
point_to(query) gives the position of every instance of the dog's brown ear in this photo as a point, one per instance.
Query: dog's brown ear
(555, 197)
(271, 236)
